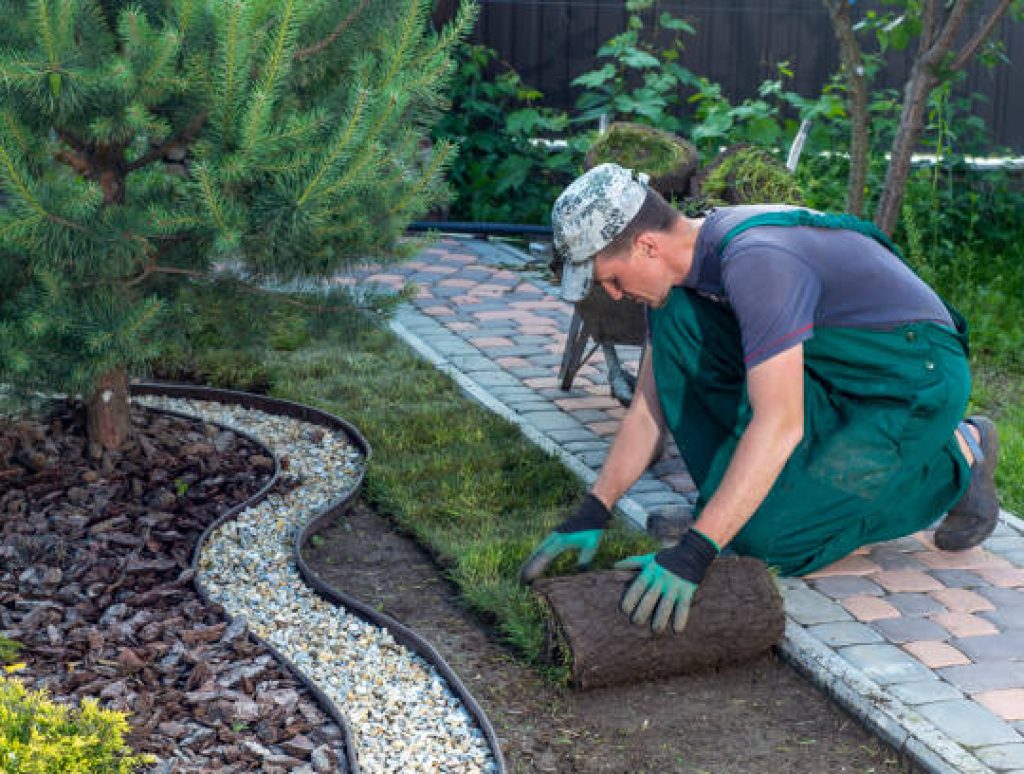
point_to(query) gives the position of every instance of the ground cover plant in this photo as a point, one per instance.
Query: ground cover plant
(38, 736)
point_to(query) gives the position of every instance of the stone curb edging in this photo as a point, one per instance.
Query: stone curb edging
(877, 710)
(401, 633)
(887, 717)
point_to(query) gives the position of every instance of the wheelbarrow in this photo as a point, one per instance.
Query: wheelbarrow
(606, 323)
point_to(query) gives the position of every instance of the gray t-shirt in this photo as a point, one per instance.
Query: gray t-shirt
(782, 282)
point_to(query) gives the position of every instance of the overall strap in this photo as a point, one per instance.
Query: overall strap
(813, 220)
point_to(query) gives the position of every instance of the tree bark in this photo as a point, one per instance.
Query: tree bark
(106, 411)
(857, 103)
(937, 40)
(737, 615)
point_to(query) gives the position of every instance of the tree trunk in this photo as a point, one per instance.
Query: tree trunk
(915, 102)
(857, 102)
(737, 615)
(106, 411)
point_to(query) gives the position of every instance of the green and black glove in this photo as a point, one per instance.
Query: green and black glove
(667, 579)
(580, 532)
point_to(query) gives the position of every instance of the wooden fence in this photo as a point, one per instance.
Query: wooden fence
(738, 43)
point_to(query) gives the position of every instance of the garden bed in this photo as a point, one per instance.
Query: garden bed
(97, 584)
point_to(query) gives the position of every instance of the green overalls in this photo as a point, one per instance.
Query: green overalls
(878, 459)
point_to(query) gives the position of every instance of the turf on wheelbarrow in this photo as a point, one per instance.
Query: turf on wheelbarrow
(737, 614)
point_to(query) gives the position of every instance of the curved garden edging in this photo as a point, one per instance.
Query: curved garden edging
(401, 633)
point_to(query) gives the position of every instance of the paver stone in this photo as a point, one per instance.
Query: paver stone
(806, 606)
(1007, 703)
(885, 663)
(1003, 757)
(969, 723)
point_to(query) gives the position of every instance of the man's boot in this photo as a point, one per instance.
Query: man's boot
(974, 517)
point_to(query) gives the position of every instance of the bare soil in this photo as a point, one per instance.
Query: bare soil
(758, 717)
(96, 583)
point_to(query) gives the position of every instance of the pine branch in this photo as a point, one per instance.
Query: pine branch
(234, 70)
(367, 158)
(413, 22)
(439, 158)
(210, 196)
(340, 146)
(19, 184)
(76, 161)
(187, 136)
(185, 17)
(49, 44)
(343, 25)
(152, 267)
(72, 139)
(284, 34)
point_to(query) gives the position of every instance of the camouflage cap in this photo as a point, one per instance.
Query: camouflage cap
(588, 215)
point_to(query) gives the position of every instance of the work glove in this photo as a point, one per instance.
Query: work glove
(667, 579)
(580, 532)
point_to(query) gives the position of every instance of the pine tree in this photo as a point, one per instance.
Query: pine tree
(147, 143)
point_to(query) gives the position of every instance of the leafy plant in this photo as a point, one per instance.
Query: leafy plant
(948, 36)
(505, 170)
(39, 736)
(641, 79)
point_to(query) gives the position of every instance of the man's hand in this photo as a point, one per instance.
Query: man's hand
(667, 579)
(580, 532)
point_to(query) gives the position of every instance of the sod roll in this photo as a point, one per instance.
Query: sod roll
(737, 614)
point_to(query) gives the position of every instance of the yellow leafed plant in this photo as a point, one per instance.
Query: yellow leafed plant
(40, 736)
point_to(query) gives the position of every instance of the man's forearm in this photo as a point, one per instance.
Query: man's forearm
(628, 458)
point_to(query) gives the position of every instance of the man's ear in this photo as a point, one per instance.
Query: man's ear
(647, 241)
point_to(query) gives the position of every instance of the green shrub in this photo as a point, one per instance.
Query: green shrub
(39, 736)
(502, 173)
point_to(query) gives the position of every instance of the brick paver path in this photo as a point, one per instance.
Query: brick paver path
(924, 646)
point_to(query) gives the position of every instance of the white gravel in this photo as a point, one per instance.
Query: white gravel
(403, 715)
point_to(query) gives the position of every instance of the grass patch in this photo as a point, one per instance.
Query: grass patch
(462, 481)
(1000, 394)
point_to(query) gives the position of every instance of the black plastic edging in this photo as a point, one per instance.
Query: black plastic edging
(328, 706)
(402, 634)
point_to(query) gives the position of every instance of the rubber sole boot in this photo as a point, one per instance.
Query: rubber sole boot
(975, 516)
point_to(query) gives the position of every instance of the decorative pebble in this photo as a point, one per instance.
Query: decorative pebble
(403, 715)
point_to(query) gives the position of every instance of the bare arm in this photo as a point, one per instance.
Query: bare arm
(635, 442)
(776, 390)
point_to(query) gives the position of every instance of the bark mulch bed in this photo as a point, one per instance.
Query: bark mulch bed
(96, 583)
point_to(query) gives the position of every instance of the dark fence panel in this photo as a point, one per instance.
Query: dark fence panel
(738, 43)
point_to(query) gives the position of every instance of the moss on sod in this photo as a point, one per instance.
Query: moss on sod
(464, 482)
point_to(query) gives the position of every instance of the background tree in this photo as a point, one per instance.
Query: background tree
(949, 35)
(143, 143)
